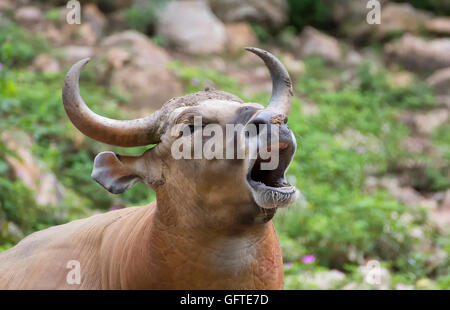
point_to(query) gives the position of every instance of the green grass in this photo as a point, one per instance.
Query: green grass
(31, 102)
(353, 136)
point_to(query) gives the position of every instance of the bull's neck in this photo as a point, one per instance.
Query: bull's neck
(171, 238)
(191, 227)
(179, 214)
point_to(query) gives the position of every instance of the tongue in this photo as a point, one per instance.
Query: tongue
(279, 146)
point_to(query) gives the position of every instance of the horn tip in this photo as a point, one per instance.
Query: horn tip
(252, 49)
(258, 51)
(84, 60)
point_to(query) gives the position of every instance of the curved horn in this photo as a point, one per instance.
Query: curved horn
(142, 131)
(281, 99)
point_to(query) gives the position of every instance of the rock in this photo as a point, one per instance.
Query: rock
(88, 33)
(138, 66)
(117, 57)
(45, 63)
(240, 35)
(400, 79)
(294, 66)
(416, 144)
(197, 32)
(271, 14)
(15, 231)
(441, 216)
(91, 29)
(403, 287)
(31, 171)
(95, 18)
(54, 34)
(28, 16)
(424, 283)
(395, 19)
(426, 123)
(117, 21)
(83, 34)
(348, 11)
(439, 25)
(324, 280)
(73, 53)
(352, 58)
(440, 82)
(446, 201)
(418, 55)
(351, 286)
(6, 5)
(10, 230)
(400, 18)
(316, 43)
(138, 45)
(92, 14)
(443, 101)
(406, 195)
(375, 275)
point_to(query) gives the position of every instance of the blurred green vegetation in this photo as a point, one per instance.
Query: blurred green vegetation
(318, 13)
(340, 221)
(315, 13)
(439, 7)
(142, 16)
(31, 102)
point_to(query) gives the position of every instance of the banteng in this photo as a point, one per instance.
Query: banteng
(211, 224)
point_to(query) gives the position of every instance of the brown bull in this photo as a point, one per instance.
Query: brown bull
(210, 227)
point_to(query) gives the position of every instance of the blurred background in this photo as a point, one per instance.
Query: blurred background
(370, 114)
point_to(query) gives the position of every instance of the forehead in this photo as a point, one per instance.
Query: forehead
(218, 110)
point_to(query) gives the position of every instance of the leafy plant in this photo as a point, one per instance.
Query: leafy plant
(438, 7)
(315, 13)
(17, 46)
(142, 16)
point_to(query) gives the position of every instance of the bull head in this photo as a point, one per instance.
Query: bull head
(210, 192)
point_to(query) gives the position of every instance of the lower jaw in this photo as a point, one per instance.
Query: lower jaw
(265, 215)
(272, 198)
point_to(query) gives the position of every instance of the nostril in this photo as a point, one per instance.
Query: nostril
(258, 124)
(278, 119)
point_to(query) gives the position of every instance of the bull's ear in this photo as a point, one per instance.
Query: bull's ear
(116, 172)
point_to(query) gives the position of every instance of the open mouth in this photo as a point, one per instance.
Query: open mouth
(269, 186)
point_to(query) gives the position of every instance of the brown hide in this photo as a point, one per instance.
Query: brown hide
(206, 230)
(133, 249)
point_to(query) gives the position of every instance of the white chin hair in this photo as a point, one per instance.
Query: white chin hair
(269, 199)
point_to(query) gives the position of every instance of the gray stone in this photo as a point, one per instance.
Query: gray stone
(315, 43)
(28, 16)
(191, 27)
(419, 55)
(272, 14)
(137, 66)
(440, 82)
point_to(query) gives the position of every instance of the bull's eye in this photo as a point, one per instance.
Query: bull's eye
(191, 128)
